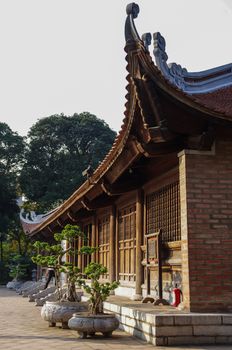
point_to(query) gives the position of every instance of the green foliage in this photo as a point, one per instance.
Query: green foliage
(11, 157)
(59, 149)
(99, 292)
(51, 256)
(69, 233)
(11, 149)
(15, 243)
(20, 267)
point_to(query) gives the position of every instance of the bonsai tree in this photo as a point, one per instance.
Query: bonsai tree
(20, 267)
(50, 255)
(99, 292)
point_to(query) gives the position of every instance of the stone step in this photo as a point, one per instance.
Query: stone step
(173, 328)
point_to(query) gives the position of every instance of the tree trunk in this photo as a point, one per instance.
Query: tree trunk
(72, 296)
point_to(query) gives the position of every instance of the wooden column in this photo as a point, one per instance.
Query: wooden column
(139, 242)
(94, 240)
(79, 257)
(112, 257)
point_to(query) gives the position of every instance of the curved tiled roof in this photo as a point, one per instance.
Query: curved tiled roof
(195, 89)
(219, 100)
(216, 103)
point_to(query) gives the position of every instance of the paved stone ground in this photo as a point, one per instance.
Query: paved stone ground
(22, 328)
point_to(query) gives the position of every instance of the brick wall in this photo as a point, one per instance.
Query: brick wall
(206, 228)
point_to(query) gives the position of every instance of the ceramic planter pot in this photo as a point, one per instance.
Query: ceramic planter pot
(61, 311)
(87, 324)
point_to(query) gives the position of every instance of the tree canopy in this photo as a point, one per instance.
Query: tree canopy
(59, 149)
(11, 157)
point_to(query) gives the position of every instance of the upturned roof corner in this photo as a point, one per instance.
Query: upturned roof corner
(167, 109)
(131, 33)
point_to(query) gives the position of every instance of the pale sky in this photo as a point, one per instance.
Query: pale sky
(67, 56)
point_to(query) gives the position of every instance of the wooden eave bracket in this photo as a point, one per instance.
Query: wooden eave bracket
(71, 216)
(159, 149)
(59, 223)
(155, 126)
(161, 134)
(86, 204)
(107, 188)
(202, 142)
(111, 190)
(96, 204)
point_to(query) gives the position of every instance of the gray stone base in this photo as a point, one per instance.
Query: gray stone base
(137, 297)
(173, 328)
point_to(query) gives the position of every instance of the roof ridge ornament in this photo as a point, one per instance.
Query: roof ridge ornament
(132, 9)
(131, 33)
(146, 38)
(32, 218)
(173, 72)
(190, 82)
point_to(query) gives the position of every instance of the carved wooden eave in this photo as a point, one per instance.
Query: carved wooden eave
(160, 119)
(156, 88)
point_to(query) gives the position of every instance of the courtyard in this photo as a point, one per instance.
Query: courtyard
(140, 215)
(22, 328)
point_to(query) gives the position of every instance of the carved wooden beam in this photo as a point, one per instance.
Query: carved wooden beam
(96, 204)
(160, 133)
(158, 149)
(153, 118)
(124, 161)
(111, 190)
(107, 188)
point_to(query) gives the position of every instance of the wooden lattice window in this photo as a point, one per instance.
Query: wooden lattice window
(103, 241)
(163, 212)
(127, 243)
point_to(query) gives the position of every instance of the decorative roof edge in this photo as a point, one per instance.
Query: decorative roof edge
(190, 82)
(131, 33)
(32, 218)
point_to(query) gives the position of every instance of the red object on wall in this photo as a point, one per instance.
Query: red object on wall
(177, 297)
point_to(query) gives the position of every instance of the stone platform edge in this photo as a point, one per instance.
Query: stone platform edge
(174, 329)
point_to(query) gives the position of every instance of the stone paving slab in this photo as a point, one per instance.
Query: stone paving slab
(22, 328)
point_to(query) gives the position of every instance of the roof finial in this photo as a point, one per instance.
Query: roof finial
(132, 9)
(146, 38)
(131, 33)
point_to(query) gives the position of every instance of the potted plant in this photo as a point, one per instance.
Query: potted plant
(51, 255)
(96, 320)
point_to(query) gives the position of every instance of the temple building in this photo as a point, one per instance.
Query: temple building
(159, 206)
